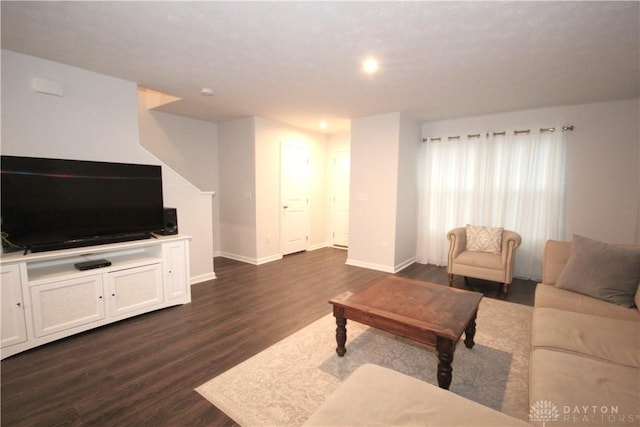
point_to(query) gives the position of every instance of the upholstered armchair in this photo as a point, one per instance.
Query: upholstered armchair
(490, 254)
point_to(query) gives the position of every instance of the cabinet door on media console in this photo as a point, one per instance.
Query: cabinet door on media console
(175, 271)
(14, 329)
(66, 304)
(134, 289)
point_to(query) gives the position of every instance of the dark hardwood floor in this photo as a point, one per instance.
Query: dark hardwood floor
(143, 371)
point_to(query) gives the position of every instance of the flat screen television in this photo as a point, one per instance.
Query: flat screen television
(49, 204)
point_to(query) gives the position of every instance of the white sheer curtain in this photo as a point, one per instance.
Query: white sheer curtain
(516, 182)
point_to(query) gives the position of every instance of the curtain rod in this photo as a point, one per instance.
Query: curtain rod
(503, 133)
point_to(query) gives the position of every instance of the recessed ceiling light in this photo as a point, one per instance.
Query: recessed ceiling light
(370, 66)
(206, 91)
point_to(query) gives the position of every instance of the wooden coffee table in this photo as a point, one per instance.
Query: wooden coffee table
(430, 314)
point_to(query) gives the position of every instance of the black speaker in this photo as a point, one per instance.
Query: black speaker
(170, 222)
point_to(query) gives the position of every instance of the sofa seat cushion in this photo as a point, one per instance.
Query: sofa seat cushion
(612, 340)
(552, 297)
(584, 390)
(377, 396)
(480, 259)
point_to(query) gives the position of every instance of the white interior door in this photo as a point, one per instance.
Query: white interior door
(340, 199)
(294, 190)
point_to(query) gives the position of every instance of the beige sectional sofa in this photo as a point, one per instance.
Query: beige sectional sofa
(585, 359)
(584, 370)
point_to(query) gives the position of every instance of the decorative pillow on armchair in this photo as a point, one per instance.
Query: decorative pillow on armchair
(601, 270)
(484, 239)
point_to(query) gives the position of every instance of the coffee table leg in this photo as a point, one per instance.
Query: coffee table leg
(341, 335)
(470, 332)
(445, 350)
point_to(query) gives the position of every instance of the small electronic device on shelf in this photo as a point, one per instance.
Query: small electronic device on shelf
(91, 264)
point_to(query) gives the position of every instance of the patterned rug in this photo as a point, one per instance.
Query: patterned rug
(284, 384)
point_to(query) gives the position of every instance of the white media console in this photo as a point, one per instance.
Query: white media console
(45, 297)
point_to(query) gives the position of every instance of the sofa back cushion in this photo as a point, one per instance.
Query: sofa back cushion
(601, 270)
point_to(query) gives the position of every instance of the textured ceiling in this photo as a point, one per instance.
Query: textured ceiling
(299, 62)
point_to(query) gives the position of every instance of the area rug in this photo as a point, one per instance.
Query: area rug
(285, 383)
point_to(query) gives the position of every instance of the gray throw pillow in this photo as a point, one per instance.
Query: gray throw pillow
(601, 270)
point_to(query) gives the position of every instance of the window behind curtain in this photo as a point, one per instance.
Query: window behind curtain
(516, 182)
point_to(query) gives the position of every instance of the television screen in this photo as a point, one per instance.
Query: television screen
(54, 203)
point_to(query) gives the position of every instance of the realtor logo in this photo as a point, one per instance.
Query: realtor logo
(543, 411)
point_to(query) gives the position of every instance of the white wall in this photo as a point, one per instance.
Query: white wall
(96, 119)
(407, 193)
(186, 145)
(603, 158)
(338, 142)
(237, 174)
(268, 204)
(374, 177)
(383, 207)
(195, 219)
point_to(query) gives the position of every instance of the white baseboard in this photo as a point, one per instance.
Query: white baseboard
(379, 267)
(267, 259)
(248, 260)
(404, 264)
(370, 266)
(318, 246)
(237, 257)
(202, 278)
(264, 260)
